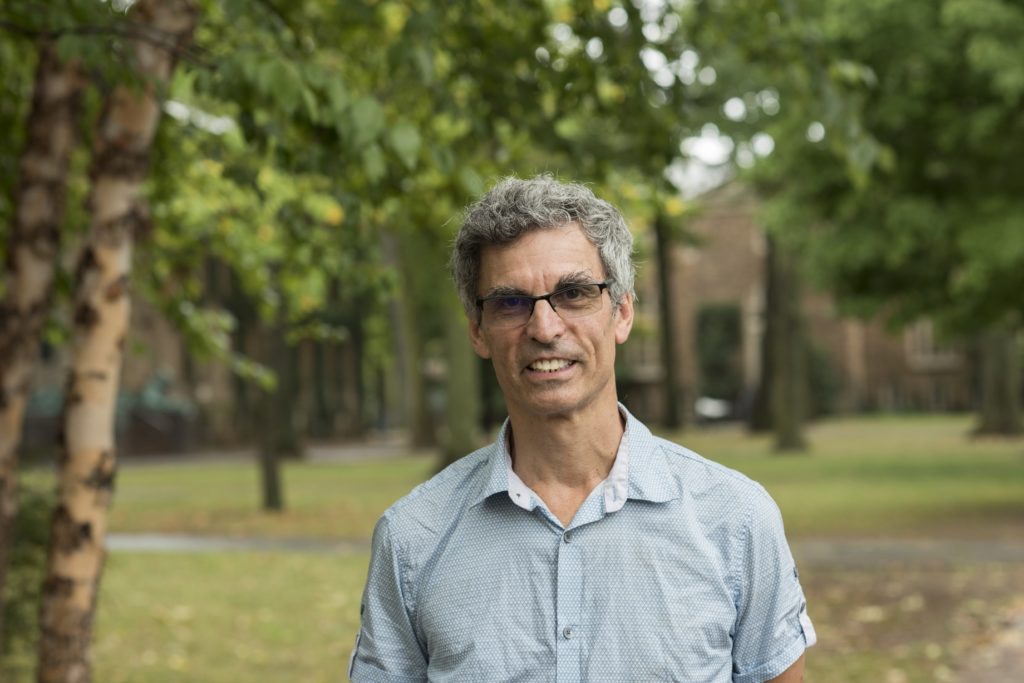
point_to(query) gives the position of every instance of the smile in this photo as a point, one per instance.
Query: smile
(550, 364)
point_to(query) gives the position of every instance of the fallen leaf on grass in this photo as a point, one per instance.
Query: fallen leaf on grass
(869, 614)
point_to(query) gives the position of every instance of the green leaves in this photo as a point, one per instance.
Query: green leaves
(993, 30)
(373, 163)
(405, 141)
(367, 119)
(915, 191)
(279, 81)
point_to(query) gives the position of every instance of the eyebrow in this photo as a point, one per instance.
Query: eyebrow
(568, 280)
(577, 278)
(503, 291)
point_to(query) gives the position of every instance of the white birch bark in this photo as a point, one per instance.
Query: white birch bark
(32, 251)
(88, 459)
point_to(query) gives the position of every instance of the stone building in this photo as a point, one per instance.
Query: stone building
(723, 275)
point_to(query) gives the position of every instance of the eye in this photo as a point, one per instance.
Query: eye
(573, 293)
(507, 304)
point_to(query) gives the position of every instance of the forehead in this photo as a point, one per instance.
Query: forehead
(539, 258)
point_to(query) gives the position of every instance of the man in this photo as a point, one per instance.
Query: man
(578, 546)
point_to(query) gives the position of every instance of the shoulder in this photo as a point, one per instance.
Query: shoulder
(699, 476)
(434, 503)
(725, 504)
(664, 464)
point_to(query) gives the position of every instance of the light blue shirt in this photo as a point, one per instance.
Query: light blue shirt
(674, 569)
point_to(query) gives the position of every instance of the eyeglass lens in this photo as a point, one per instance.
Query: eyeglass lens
(568, 302)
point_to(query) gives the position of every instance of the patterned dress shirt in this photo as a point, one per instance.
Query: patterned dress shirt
(675, 568)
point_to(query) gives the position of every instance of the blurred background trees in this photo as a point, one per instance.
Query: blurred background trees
(312, 159)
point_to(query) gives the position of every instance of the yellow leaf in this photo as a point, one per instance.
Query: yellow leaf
(334, 214)
(214, 168)
(265, 233)
(395, 15)
(609, 92)
(265, 178)
(548, 103)
(177, 662)
(674, 207)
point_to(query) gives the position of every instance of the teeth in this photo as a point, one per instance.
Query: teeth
(549, 365)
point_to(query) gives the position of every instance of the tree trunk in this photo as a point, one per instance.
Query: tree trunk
(462, 396)
(422, 433)
(271, 496)
(760, 419)
(676, 411)
(1000, 402)
(244, 396)
(31, 261)
(277, 434)
(789, 388)
(87, 461)
(409, 347)
(325, 405)
(352, 377)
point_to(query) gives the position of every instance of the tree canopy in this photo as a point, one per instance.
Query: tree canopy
(908, 113)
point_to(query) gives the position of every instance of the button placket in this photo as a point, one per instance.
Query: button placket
(568, 612)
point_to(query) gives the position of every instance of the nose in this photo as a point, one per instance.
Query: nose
(545, 325)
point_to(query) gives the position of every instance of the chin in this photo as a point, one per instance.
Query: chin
(555, 406)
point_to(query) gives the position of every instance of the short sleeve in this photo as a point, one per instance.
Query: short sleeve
(772, 628)
(387, 650)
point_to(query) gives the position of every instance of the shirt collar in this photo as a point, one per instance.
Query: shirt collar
(639, 470)
(650, 477)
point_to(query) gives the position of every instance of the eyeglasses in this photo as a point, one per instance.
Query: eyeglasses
(514, 310)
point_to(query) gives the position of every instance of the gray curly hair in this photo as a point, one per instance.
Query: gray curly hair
(514, 207)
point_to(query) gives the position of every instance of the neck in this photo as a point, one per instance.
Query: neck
(563, 457)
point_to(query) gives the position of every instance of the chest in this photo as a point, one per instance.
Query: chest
(512, 597)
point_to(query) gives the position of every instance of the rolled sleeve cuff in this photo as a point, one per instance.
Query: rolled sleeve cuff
(360, 672)
(776, 665)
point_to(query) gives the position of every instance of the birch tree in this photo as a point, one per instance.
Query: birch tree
(87, 462)
(30, 267)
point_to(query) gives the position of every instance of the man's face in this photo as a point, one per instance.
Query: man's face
(551, 366)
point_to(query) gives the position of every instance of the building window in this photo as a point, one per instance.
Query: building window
(924, 352)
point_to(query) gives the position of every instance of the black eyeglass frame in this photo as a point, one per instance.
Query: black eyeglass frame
(542, 297)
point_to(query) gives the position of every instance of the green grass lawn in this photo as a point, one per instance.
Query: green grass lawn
(884, 476)
(222, 618)
(226, 618)
(279, 618)
(323, 500)
(283, 618)
(902, 476)
(276, 617)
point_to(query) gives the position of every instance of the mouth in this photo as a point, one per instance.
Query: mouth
(550, 365)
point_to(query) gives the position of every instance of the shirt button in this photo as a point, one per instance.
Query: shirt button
(568, 632)
(567, 537)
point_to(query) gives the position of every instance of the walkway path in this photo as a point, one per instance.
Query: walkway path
(848, 553)
(184, 543)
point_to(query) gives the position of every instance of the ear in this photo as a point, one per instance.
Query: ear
(477, 338)
(624, 319)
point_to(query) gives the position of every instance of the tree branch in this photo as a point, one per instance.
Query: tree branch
(129, 30)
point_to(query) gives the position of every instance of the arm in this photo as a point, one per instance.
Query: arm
(387, 648)
(794, 674)
(772, 629)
